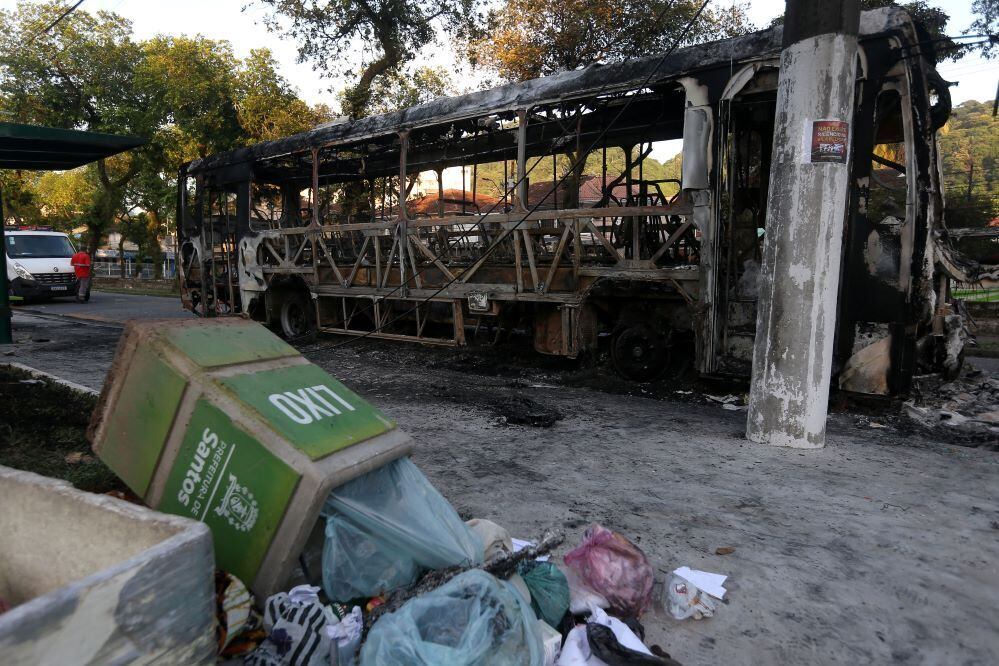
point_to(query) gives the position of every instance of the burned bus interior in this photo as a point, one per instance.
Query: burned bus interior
(532, 208)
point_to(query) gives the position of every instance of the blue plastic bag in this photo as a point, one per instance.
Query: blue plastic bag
(474, 619)
(387, 527)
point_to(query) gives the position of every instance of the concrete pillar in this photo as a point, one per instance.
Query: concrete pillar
(809, 190)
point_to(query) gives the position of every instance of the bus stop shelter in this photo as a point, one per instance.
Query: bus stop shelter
(35, 148)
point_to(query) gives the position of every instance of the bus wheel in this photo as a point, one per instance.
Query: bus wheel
(298, 318)
(639, 352)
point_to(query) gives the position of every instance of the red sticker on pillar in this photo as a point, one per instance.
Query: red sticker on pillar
(830, 139)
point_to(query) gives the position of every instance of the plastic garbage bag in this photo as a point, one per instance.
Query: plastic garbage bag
(684, 599)
(603, 641)
(549, 590)
(495, 539)
(581, 597)
(345, 638)
(473, 620)
(615, 568)
(386, 527)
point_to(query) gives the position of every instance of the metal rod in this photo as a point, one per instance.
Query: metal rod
(6, 329)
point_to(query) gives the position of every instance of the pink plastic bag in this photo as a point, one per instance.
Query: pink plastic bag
(615, 568)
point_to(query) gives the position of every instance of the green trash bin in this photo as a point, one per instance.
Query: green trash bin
(222, 421)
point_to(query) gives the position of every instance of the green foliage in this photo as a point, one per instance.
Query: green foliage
(986, 23)
(525, 39)
(969, 150)
(401, 89)
(268, 106)
(540, 170)
(189, 96)
(20, 200)
(328, 33)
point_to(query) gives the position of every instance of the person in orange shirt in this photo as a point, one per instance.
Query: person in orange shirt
(81, 264)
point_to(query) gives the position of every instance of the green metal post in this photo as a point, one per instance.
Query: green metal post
(6, 333)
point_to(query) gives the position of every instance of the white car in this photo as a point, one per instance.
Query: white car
(38, 264)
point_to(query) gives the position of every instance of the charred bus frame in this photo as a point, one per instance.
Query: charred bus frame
(312, 232)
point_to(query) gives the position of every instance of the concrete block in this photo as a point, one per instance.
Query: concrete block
(96, 580)
(221, 421)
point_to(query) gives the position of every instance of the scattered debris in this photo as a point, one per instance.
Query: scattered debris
(723, 399)
(234, 616)
(518, 410)
(964, 411)
(684, 599)
(77, 457)
(704, 580)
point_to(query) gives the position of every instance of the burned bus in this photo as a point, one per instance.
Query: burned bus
(349, 228)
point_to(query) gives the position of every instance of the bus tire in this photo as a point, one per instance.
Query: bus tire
(297, 318)
(639, 352)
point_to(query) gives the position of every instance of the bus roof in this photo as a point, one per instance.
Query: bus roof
(595, 79)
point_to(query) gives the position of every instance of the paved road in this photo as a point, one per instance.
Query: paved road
(110, 308)
(77, 340)
(879, 548)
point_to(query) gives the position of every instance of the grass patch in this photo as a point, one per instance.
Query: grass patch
(43, 430)
(977, 295)
(138, 292)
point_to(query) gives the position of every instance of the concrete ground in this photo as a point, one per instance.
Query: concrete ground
(881, 547)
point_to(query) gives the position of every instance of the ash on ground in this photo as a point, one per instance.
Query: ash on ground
(965, 410)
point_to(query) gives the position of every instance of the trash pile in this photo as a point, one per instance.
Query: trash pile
(964, 411)
(406, 581)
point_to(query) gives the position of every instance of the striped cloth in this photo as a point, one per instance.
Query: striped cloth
(294, 623)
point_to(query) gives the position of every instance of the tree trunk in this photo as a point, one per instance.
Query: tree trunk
(93, 240)
(121, 255)
(155, 251)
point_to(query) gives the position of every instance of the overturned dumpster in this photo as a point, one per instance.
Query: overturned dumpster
(97, 580)
(223, 422)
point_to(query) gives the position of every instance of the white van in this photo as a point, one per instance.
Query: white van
(38, 263)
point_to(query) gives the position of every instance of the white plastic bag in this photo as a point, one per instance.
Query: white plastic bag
(345, 638)
(684, 599)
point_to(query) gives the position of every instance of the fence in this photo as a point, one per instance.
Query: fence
(976, 293)
(146, 271)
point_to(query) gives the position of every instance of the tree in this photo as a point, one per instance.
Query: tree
(79, 74)
(20, 200)
(366, 39)
(400, 89)
(969, 149)
(188, 96)
(267, 105)
(190, 83)
(526, 39)
(986, 23)
(67, 196)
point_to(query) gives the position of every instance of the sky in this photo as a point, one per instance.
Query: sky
(226, 19)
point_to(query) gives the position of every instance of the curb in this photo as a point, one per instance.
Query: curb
(41, 374)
